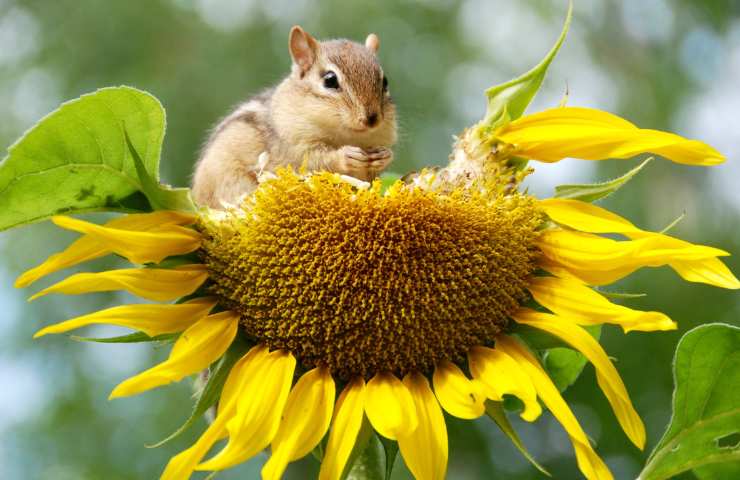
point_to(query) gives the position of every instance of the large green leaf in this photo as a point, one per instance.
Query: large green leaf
(704, 432)
(76, 159)
(511, 99)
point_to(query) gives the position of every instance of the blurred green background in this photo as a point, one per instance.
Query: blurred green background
(662, 64)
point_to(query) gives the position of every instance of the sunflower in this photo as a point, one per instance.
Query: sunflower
(366, 307)
(406, 301)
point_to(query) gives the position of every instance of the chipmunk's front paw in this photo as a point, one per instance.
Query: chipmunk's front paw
(363, 164)
(380, 157)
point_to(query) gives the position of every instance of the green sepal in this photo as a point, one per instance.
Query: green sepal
(590, 192)
(136, 337)
(496, 412)
(390, 448)
(540, 340)
(160, 196)
(704, 431)
(387, 179)
(212, 390)
(367, 459)
(621, 295)
(509, 100)
(563, 364)
(75, 159)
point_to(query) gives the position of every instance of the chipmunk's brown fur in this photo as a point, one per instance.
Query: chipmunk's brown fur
(302, 121)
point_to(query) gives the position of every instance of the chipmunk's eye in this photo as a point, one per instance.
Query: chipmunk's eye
(331, 80)
(385, 83)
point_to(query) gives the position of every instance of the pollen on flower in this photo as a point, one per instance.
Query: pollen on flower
(362, 282)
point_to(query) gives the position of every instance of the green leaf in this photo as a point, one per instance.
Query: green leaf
(495, 410)
(564, 365)
(76, 159)
(160, 196)
(212, 390)
(718, 471)
(511, 99)
(704, 431)
(590, 192)
(136, 337)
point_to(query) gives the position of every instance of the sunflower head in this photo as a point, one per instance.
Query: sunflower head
(361, 281)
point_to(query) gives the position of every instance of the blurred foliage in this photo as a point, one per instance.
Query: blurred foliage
(650, 62)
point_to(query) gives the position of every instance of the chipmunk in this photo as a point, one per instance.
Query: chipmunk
(333, 112)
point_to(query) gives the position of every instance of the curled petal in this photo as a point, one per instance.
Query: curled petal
(425, 450)
(158, 284)
(88, 247)
(137, 246)
(707, 270)
(590, 218)
(572, 299)
(348, 417)
(557, 133)
(590, 464)
(459, 395)
(389, 406)
(500, 375)
(599, 260)
(182, 465)
(197, 348)
(606, 375)
(305, 421)
(586, 217)
(151, 319)
(259, 406)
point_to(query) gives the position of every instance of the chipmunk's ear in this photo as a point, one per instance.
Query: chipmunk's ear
(372, 43)
(303, 48)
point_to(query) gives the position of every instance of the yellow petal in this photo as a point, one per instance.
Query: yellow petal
(425, 450)
(151, 319)
(389, 406)
(572, 299)
(586, 217)
(88, 248)
(589, 134)
(197, 348)
(182, 465)
(345, 427)
(598, 260)
(139, 247)
(305, 421)
(606, 375)
(259, 406)
(592, 467)
(458, 395)
(708, 270)
(501, 375)
(157, 284)
(590, 218)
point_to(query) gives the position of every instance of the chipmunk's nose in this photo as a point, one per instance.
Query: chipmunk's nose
(372, 120)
